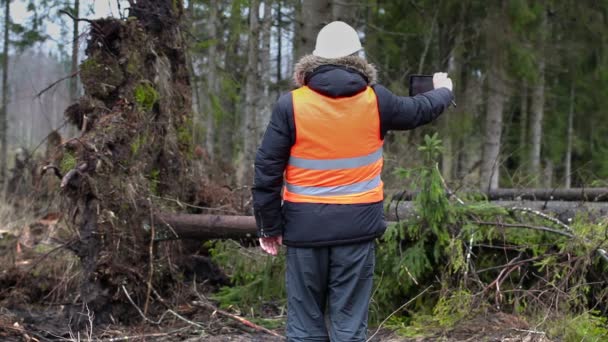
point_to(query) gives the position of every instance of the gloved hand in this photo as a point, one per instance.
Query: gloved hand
(271, 244)
(441, 80)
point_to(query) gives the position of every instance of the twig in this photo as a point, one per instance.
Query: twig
(50, 86)
(180, 203)
(138, 337)
(445, 186)
(398, 309)
(161, 316)
(545, 216)
(78, 19)
(151, 261)
(236, 318)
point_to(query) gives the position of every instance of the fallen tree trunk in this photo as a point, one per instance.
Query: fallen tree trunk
(573, 194)
(204, 227)
(562, 210)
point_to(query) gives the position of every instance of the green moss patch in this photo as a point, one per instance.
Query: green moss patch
(145, 96)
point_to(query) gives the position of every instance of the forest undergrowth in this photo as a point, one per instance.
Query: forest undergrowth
(457, 260)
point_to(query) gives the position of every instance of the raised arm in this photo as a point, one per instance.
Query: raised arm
(404, 112)
(270, 162)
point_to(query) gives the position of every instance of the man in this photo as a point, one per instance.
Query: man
(317, 182)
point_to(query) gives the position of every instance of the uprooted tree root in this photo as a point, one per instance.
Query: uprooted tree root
(135, 146)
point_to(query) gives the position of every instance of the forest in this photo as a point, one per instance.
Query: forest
(129, 131)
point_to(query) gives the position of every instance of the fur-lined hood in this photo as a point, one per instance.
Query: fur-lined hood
(309, 63)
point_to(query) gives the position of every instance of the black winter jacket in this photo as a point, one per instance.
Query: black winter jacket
(317, 224)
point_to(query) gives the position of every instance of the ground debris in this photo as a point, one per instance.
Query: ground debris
(491, 327)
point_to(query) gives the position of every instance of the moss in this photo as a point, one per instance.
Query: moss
(184, 138)
(137, 144)
(154, 181)
(100, 77)
(145, 96)
(68, 162)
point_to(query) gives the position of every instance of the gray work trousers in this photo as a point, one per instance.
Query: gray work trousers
(333, 281)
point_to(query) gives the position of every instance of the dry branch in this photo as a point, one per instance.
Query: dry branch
(236, 318)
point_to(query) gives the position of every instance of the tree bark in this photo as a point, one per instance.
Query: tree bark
(279, 41)
(250, 129)
(570, 135)
(345, 10)
(490, 163)
(3, 110)
(537, 108)
(74, 69)
(212, 82)
(523, 124)
(497, 94)
(314, 15)
(265, 100)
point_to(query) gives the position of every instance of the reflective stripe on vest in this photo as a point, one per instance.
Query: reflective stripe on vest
(340, 163)
(337, 155)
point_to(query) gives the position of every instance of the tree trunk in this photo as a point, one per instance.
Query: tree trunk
(74, 69)
(537, 107)
(496, 98)
(536, 126)
(568, 161)
(345, 11)
(212, 82)
(535, 194)
(314, 15)
(265, 100)
(279, 41)
(250, 129)
(523, 125)
(3, 110)
(490, 163)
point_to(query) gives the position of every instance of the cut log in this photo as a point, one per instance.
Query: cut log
(205, 227)
(573, 194)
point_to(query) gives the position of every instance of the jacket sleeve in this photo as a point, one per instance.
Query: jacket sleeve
(270, 162)
(404, 112)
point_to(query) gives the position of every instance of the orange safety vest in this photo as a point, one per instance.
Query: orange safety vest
(337, 155)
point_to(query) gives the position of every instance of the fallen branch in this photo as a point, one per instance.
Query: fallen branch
(525, 226)
(161, 316)
(143, 336)
(236, 318)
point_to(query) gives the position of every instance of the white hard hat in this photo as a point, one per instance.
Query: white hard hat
(337, 39)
